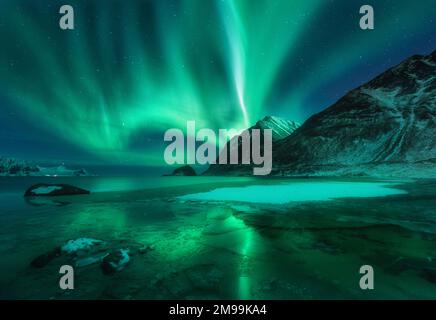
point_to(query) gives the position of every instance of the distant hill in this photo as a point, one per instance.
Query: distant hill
(14, 167)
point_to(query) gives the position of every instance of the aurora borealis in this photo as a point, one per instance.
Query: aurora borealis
(108, 90)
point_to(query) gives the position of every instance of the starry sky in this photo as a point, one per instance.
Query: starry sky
(106, 91)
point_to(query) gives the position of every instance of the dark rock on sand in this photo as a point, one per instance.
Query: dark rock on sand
(115, 261)
(52, 190)
(44, 259)
(145, 249)
(429, 274)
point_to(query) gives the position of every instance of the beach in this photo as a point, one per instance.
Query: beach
(187, 248)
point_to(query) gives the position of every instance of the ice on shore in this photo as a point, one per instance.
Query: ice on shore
(296, 192)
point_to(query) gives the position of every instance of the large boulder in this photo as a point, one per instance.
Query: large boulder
(52, 190)
(44, 259)
(184, 171)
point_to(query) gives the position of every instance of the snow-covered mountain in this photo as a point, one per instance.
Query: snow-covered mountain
(15, 167)
(384, 128)
(389, 120)
(280, 129)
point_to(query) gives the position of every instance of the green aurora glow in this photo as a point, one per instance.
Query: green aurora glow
(132, 69)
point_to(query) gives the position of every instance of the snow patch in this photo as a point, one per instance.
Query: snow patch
(72, 246)
(125, 258)
(46, 190)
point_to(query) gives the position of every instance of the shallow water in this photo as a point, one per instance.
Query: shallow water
(211, 249)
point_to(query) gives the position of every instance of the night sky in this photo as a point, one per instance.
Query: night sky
(107, 91)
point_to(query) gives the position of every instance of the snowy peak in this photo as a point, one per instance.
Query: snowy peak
(281, 128)
(386, 127)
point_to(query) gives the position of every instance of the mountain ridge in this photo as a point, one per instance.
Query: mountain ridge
(390, 118)
(385, 127)
(281, 129)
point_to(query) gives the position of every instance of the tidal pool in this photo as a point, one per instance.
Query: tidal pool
(298, 192)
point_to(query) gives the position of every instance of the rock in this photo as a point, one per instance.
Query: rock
(429, 274)
(90, 260)
(80, 172)
(145, 249)
(74, 247)
(52, 190)
(82, 252)
(187, 171)
(115, 261)
(44, 259)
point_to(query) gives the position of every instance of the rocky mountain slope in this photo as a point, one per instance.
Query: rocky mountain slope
(384, 128)
(389, 120)
(280, 129)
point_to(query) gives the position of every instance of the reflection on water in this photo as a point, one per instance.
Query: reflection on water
(225, 230)
(225, 250)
